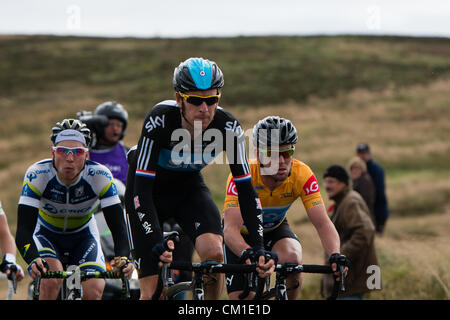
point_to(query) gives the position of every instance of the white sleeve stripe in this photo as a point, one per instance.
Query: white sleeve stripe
(246, 159)
(140, 153)
(130, 234)
(243, 157)
(143, 153)
(148, 155)
(143, 147)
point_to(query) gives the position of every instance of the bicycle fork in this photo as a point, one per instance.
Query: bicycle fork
(199, 293)
(281, 287)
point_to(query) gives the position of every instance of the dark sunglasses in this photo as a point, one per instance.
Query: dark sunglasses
(198, 100)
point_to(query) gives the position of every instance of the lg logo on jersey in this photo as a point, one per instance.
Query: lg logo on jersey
(232, 189)
(311, 186)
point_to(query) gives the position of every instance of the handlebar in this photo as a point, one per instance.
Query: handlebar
(207, 267)
(200, 269)
(256, 284)
(84, 275)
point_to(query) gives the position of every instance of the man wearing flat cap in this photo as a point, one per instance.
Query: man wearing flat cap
(356, 230)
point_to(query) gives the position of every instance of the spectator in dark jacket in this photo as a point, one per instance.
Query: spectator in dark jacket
(363, 183)
(356, 232)
(377, 173)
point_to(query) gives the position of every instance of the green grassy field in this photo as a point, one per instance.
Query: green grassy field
(391, 92)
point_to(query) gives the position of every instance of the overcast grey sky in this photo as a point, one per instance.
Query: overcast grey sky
(173, 18)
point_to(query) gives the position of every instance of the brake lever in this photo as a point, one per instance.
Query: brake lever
(125, 284)
(12, 276)
(249, 285)
(341, 280)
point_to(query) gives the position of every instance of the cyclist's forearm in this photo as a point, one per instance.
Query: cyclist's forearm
(330, 239)
(232, 231)
(251, 212)
(325, 229)
(145, 208)
(236, 243)
(26, 222)
(249, 202)
(143, 163)
(116, 223)
(7, 244)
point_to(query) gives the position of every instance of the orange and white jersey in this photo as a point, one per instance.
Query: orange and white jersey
(301, 183)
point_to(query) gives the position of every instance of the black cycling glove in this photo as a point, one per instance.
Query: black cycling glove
(254, 255)
(339, 259)
(46, 266)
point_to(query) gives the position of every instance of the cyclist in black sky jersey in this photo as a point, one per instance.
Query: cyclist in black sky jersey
(178, 139)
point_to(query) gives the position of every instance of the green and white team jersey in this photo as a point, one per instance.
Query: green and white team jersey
(68, 208)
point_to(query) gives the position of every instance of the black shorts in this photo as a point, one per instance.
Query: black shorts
(191, 206)
(235, 281)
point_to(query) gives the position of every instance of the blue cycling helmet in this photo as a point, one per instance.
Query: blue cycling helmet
(197, 74)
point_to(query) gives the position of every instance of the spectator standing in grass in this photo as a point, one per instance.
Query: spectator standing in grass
(350, 215)
(375, 170)
(362, 183)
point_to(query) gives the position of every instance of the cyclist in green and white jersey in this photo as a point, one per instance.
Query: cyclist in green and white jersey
(56, 207)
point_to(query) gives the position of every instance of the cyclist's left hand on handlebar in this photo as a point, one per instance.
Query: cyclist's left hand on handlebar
(336, 260)
(124, 264)
(265, 268)
(163, 251)
(9, 266)
(267, 262)
(37, 267)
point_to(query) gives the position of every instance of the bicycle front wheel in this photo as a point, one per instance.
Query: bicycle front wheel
(177, 288)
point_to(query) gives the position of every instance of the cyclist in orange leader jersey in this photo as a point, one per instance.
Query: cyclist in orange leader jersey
(290, 179)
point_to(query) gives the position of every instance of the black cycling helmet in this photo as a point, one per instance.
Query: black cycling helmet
(113, 110)
(197, 74)
(262, 131)
(73, 124)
